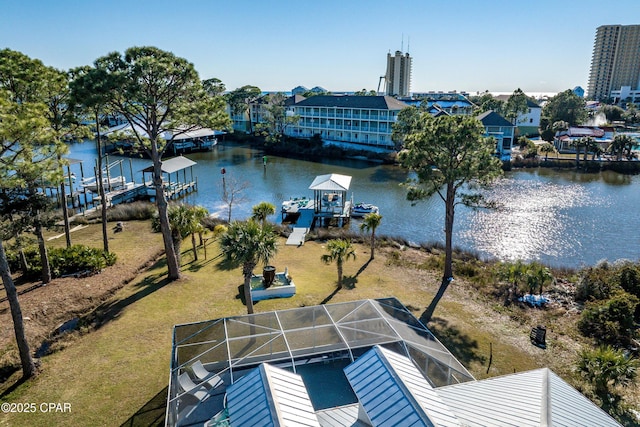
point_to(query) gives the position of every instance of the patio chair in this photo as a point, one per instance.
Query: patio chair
(207, 377)
(198, 391)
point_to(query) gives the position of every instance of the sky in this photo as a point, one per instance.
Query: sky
(541, 46)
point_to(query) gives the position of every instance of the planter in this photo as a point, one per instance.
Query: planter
(268, 275)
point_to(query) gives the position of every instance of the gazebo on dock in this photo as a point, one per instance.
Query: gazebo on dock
(177, 187)
(330, 195)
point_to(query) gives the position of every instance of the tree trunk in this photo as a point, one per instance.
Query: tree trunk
(373, 243)
(65, 211)
(28, 366)
(193, 244)
(103, 196)
(177, 243)
(161, 203)
(447, 276)
(24, 264)
(247, 270)
(339, 263)
(44, 256)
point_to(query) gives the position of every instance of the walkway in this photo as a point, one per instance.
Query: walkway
(302, 226)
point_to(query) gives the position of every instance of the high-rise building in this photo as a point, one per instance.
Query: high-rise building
(615, 63)
(398, 76)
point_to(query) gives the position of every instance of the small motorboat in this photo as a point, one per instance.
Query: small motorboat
(292, 206)
(362, 209)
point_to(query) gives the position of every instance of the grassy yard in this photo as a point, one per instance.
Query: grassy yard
(117, 373)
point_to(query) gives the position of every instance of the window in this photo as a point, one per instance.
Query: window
(530, 120)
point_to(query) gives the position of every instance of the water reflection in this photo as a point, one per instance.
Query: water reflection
(563, 218)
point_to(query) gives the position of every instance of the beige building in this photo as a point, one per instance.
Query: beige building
(398, 76)
(615, 64)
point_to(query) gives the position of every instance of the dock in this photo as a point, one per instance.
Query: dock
(328, 206)
(302, 225)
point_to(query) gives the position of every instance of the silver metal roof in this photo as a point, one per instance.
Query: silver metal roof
(270, 396)
(532, 398)
(229, 347)
(342, 416)
(331, 182)
(393, 392)
(173, 165)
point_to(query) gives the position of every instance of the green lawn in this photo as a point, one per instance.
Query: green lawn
(119, 373)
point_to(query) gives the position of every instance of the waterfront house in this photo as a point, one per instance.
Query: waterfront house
(453, 103)
(528, 123)
(564, 141)
(501, 129)
(354, 121)
(357, 363)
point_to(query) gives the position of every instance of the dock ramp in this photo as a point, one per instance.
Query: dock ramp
(296, 238)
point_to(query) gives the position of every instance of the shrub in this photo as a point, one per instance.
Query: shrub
(131, 211)
(596, 283)
(628, 276)
(610, 321)
(32, 256)
(79, 259)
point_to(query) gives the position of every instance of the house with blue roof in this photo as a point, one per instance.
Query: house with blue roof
(501, 129)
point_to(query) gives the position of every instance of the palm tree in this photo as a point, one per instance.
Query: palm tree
(370, 222)
(186, 220)
(261, 211)
(537, 276)
(606, 367)
(340, 250)
(246, 244)
(620, 144)
(547, 148)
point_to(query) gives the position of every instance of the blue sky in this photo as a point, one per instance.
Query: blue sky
(472, 45)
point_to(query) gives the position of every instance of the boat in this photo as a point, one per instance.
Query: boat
(362, 209)
(116, 182)
(292, 206)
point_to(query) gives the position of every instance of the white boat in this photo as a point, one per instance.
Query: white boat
(114, 183)
(362, 209)
(292, 206)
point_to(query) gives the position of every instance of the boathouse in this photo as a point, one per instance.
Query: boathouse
(330, 197)
(176, 180)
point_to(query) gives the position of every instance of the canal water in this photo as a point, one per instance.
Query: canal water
(562, 218)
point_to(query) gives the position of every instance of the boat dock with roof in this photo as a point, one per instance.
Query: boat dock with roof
(83, 198)
(329, 204)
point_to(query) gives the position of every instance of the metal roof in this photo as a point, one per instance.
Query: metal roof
(342, 416)
(229, 347)
(173, 165)
(270, 396)
(393, 392)
(331, 182)
(531, 398)
(353, 101)
(178, 133)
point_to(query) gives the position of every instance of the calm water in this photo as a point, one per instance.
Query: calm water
(560, 218)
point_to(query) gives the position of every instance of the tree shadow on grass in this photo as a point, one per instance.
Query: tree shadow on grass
(241, 297)
(364, 266)
(110, 310)
(151, 413)
(348, 282)
(460, 345)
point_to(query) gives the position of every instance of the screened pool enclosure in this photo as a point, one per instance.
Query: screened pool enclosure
(216, 353)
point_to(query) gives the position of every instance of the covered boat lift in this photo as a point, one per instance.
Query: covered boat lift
(177, 187)
(330, 196)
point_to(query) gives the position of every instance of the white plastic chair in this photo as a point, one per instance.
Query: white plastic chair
(198, 391)
(207, 377)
